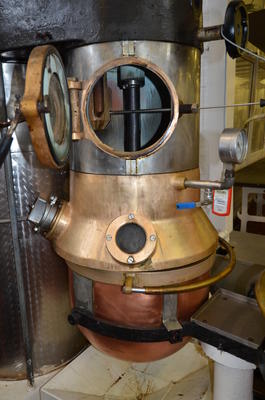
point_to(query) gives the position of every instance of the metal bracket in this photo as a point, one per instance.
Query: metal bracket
(128, 48)
(75, 87)
(131, 167)
(83, 292)
(170, 311)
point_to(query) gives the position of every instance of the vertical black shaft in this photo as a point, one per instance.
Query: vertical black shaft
(132, 122)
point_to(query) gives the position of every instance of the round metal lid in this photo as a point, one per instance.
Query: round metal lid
(46, 106)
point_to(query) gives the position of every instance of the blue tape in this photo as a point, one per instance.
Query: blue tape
(183, 206)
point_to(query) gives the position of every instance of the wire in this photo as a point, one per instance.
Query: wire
(255, 103)
(241, 48)
(254, 118)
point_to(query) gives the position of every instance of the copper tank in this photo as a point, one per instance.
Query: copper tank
(120, 228)
(111, 188)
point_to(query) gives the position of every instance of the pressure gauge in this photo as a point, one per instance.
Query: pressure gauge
(233, 146)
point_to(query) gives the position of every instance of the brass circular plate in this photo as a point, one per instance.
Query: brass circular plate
(122, 256)
(46, 106)
(88, 88)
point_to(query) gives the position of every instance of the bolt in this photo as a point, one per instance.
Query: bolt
(108, 237)
(130, 260)
(153, 238)
(131, 216)
(53, 200)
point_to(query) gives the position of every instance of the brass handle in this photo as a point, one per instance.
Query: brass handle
(260, 292)
(190, 286)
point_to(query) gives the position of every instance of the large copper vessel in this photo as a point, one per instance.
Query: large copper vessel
(107, 189)
(120, 224)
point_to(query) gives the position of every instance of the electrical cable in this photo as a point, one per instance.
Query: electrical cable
(241, 48)
(256, 117)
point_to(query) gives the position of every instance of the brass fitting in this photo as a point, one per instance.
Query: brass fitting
(180, 182)
(128, 283)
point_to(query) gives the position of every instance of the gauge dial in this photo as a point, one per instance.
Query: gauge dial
(233, 146)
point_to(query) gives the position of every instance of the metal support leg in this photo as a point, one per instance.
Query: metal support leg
(244, 209)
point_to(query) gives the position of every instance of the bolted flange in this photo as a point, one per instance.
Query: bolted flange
(43, 213)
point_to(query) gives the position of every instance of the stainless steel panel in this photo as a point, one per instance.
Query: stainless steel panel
(182, 65)
(86, 157)
(4, 213)
(46, 281)
(233, 315)
(31, 179)
(12, 355)
(12, 344)
(54, 341)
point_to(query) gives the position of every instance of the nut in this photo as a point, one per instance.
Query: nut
(108, 237)
(131, 216)
(153, 238)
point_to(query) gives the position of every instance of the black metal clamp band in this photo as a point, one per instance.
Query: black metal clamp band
(144, 335)
(161, 334)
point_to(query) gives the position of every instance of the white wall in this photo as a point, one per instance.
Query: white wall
(217, 88)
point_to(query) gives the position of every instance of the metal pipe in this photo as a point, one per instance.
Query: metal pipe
(203, 184)
(8, 220)
(233, 376)
(143, 111)
(189, 286)
(132, 123)
(17, 255)
(210, 33)
(227, 183)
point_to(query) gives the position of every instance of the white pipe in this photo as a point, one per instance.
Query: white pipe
(233, 377)
(232, 383)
